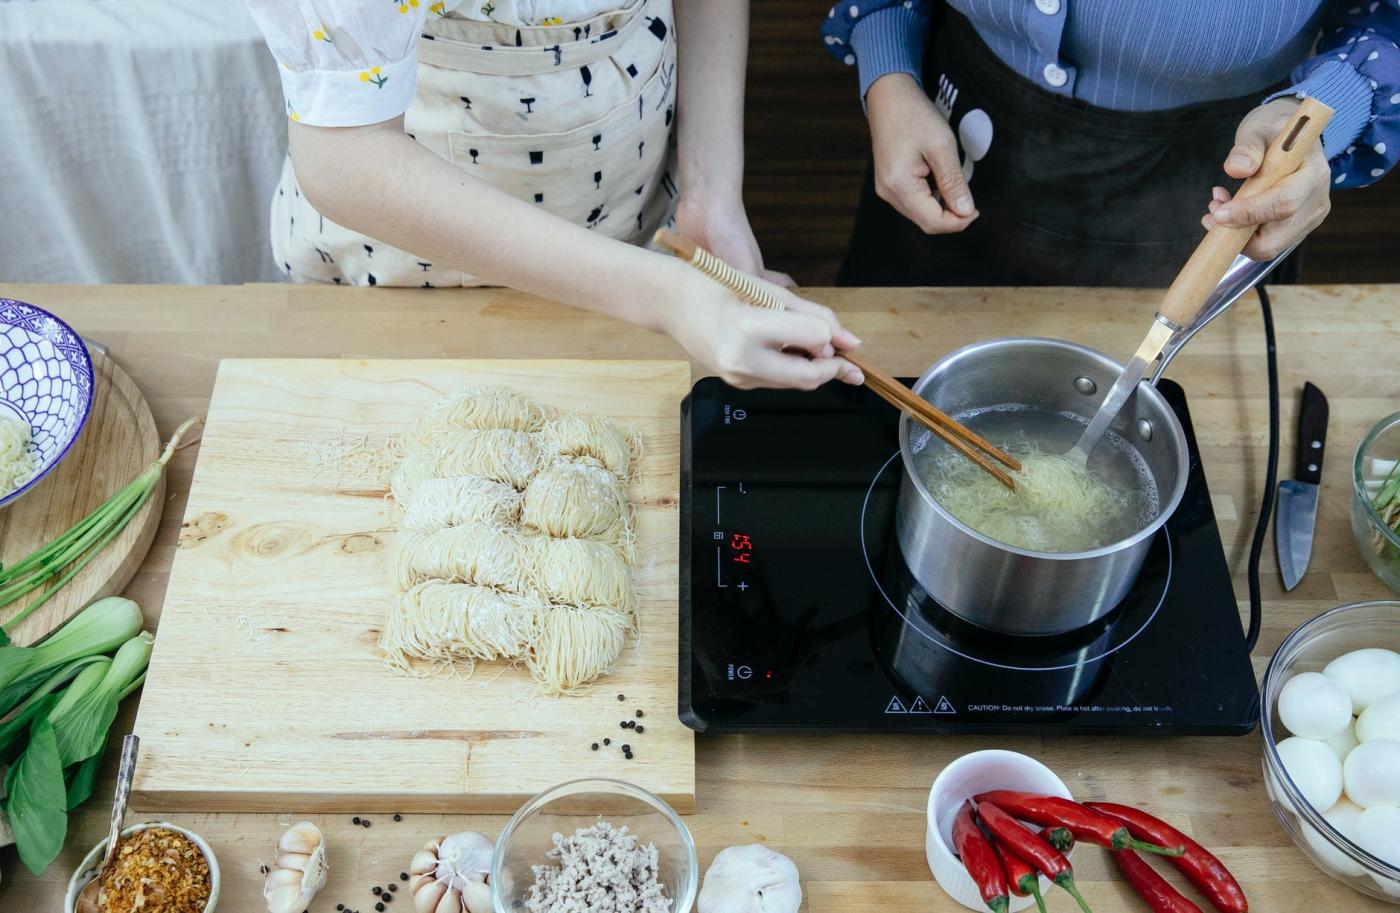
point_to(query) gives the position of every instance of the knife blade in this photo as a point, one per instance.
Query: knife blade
(1297, 497)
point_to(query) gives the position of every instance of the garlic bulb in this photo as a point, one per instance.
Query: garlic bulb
(750, 879)
(300, 869)
(449, 875)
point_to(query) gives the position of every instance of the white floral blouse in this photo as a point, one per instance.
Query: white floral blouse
(347, 63)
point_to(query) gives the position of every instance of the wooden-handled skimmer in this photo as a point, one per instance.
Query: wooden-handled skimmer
(1207, 266)
(954, 433)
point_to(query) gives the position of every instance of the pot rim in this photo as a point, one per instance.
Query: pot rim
(967, 351)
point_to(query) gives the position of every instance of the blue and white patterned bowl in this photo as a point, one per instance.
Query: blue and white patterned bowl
(45, 380)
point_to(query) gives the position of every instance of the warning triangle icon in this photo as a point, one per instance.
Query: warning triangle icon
(895, 706)
(944, 706)
(919, 706)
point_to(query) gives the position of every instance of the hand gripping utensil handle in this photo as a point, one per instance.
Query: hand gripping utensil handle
(1214, 256)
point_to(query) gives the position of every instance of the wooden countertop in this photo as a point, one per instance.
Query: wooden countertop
(848, 809)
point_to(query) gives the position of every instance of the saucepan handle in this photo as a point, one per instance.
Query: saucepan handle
(1212, 259)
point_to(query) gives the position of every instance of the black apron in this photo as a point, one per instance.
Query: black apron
(1068, 193)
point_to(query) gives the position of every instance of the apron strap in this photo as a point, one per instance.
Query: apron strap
(610, 31)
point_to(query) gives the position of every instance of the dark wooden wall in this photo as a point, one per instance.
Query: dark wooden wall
(807, 149)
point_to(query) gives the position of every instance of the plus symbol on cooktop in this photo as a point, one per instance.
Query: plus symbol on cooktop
(743, 586)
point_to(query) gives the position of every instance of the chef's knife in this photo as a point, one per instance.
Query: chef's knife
(1297, 497)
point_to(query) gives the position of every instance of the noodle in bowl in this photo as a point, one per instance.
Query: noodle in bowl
(1030, 394)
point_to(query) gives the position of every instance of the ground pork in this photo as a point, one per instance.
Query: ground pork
(600, 869)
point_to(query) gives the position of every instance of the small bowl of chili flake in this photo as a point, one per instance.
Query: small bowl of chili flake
(159, 868)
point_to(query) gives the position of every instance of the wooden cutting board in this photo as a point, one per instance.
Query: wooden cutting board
(119, 441)
(267, 689)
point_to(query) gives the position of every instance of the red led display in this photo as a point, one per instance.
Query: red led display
(741, 548)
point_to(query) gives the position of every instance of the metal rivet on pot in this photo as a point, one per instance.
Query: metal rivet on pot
(1144, 428)
(1086, 386)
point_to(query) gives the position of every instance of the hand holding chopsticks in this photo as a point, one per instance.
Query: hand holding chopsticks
(954, 433)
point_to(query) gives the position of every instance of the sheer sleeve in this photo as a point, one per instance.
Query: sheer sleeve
(344, 63)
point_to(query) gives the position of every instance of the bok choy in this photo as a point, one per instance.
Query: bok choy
(58, 700)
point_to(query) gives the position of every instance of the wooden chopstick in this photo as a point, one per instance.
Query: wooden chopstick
(949, 429)
(954, 433)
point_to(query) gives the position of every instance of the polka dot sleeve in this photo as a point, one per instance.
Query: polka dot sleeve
(344, 63)
(878, 38)
(1357, 73)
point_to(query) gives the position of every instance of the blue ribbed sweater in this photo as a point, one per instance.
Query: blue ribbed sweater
(1137, 55)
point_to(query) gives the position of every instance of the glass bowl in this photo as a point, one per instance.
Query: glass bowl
(1379, 544)
(580, 804)
(1308, 649)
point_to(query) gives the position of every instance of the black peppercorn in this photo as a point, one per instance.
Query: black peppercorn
(393, 887)
(622, 697)
(376, 890)
(607, 741)
(340, 906)
(379, 907)
(640, 714)
(641, 729)
(387, 897)
(355, 820)
(365, 822)
(626, 749)
(622, 725)
(595, 746)
(398, 817)
(403, 876)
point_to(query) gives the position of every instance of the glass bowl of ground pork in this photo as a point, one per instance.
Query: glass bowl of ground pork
(595, 846)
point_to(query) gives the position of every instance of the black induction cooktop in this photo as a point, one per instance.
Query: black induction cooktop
(797, 611)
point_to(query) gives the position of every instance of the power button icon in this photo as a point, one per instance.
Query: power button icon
(744, 672)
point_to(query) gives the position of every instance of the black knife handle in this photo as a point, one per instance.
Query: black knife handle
(1312, 435)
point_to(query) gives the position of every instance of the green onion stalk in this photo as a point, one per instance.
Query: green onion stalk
(52, 566)
(1387, 500)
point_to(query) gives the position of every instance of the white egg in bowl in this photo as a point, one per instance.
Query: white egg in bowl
(1305, 768)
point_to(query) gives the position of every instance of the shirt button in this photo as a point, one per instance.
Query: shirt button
(1048, 7)
(1055, 76)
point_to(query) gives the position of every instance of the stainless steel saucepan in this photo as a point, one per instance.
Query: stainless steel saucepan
(1017, 591)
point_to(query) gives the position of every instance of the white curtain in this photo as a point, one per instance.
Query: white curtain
(140, 141)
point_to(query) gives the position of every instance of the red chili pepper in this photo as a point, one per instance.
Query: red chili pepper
(1085, 823)
(980, 860)
(1027, 844)
(1058, 837)
(1151, 887)
(1201, 868)
(1024, 880)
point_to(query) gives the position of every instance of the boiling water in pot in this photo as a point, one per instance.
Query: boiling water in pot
(1059, 505)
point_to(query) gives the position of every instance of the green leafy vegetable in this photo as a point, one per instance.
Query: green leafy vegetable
(99, 628)
(81, 778)
(82, 718)
(37, 802)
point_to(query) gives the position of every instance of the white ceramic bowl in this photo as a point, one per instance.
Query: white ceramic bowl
(969, 775)
(88, 869)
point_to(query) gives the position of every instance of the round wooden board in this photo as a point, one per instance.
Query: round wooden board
(119, 440)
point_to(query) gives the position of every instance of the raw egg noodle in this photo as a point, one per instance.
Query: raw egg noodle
(455, 500)
(1059, 504)
(18, 461)
(517, 541)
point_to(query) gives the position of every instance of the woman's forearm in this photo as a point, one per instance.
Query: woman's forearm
(713, 51)
(379, 182)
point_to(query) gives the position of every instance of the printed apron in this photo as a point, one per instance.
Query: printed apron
(573, 118)
(1069, 193)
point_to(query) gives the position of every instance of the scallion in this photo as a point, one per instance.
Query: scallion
(55, 564)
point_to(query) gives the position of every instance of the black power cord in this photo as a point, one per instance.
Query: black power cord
(1266, 506)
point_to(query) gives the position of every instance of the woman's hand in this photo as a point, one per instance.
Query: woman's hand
(1286, 212)
(753, 347)
(912, 143)
(722, 228)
